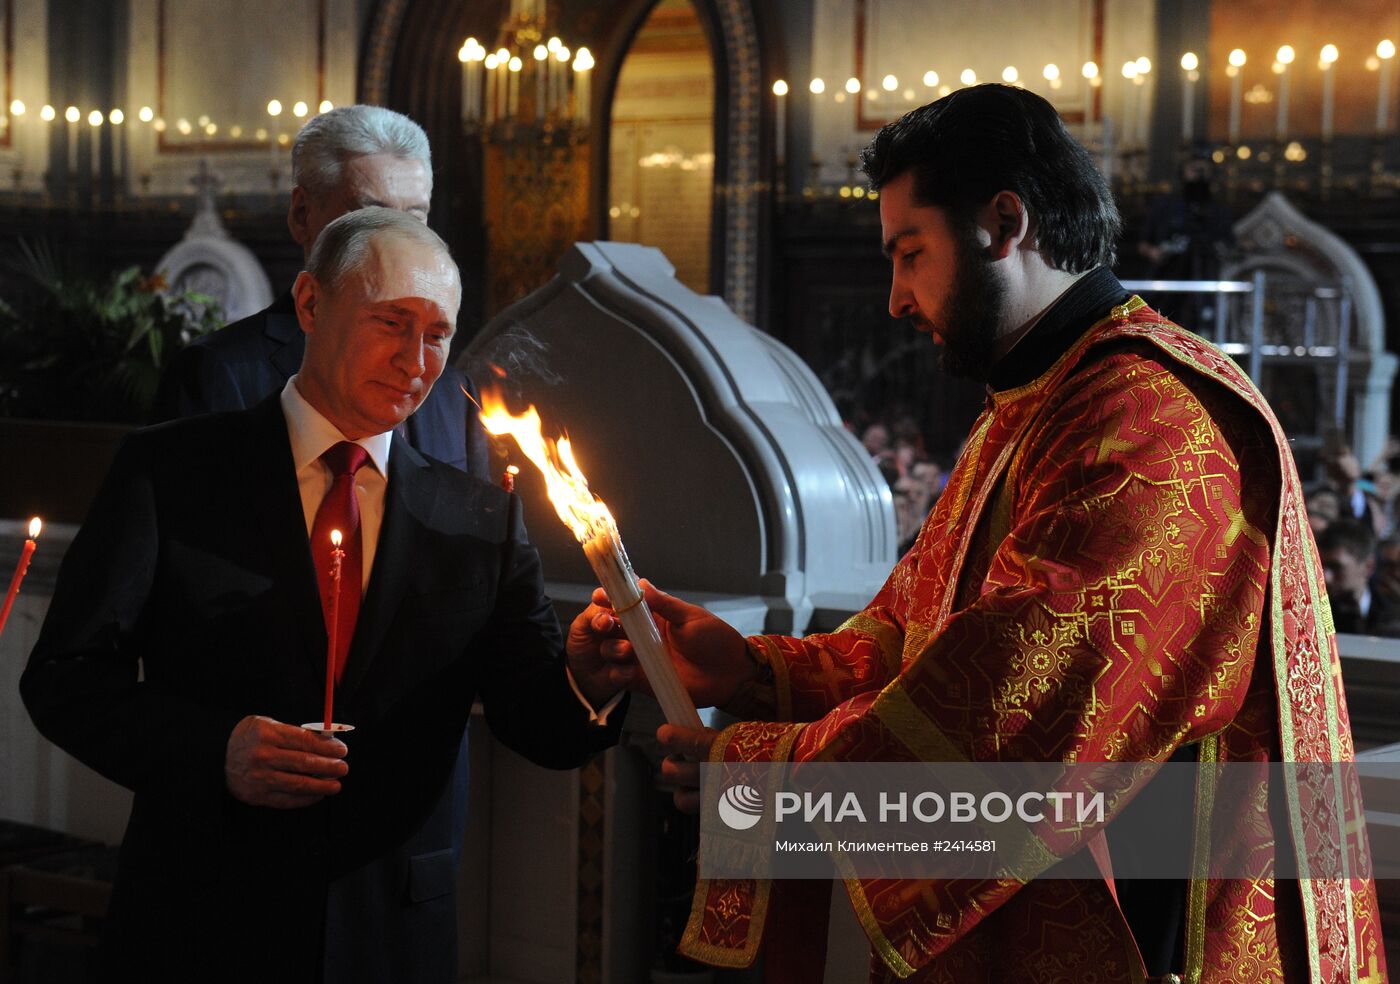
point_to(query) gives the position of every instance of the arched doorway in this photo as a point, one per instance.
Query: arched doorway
(661, 142)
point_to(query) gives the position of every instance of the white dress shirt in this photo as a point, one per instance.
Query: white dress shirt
(312, 435)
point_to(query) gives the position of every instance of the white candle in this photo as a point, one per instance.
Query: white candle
(95, 148)
(513, 93)
(614, 572)
(490, 89)
(780, 91)
(1130, 101)
(1144, 69)
(1385, 51)
(1236, 73)
(274, 109)
(117, 118)
(72, 115)
(1189, 67)
(541, 70)
(562, 97)
(465, 58)
(583, 91)
(1285, 60)
(1326, 60)
(17, 110)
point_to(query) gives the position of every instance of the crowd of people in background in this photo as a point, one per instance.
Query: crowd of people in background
(1353, 514)
(915, 477)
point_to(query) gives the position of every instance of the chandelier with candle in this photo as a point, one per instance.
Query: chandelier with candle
(532, 88)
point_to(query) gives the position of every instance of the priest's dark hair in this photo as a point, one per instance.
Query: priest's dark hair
(975, 142)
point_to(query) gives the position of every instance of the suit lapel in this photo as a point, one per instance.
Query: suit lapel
(408, 503)
(275, 500)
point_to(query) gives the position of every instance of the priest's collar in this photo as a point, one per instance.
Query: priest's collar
(1079, 308)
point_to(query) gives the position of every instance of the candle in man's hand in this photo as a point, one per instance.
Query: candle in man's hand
(337, 556)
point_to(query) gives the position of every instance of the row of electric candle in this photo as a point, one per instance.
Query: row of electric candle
(1282, 67)
(22, 568)
(491, 81)
(117, 117)
(1136, 72)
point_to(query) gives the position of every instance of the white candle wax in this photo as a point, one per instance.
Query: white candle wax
(780, 127)
(1328, 99)
(1235, 83)
(1281, 128)
(1188, 107)
(614, 573)
(1383, 95)
(466, 88)
(1144, 120)
(540, 71)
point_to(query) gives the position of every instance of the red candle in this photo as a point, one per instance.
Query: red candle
(337, 555)
(508, 480)
(22, 568)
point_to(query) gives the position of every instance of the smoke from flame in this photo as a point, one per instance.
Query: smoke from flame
(582, 511)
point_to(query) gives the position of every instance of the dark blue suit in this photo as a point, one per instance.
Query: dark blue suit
(188, 600)
(238, 367)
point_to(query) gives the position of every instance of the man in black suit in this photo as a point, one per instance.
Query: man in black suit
(342, 160)
(188, 634)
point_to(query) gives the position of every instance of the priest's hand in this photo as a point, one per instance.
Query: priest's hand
(686, 748)
(711, 659)
(268, 763)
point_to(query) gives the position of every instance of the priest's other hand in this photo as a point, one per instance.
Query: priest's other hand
(268, 763)
(686, 748)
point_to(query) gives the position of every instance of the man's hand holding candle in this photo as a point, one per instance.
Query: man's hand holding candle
(710, 657)
(268, 763)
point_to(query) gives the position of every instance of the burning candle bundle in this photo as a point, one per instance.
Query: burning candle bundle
(591, 522)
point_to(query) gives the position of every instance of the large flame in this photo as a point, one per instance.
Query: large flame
(582, 511)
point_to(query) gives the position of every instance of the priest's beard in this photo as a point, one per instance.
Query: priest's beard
(972, 316)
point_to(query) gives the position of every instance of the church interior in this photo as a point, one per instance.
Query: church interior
(665, 242)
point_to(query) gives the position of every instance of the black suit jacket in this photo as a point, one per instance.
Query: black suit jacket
(188, 600)
(245, 362)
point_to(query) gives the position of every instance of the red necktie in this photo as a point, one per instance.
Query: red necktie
(340, 510)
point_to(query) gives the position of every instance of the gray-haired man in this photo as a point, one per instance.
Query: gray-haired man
(342, 160)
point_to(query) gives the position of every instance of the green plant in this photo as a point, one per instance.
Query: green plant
(79, 346)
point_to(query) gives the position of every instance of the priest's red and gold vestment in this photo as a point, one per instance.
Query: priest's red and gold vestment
(1119, 566)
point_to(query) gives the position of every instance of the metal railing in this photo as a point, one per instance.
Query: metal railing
(1255, 349)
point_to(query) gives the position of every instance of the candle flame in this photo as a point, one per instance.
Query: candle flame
(512, 469)
(581, 511)
(335, 538)
(35, 525)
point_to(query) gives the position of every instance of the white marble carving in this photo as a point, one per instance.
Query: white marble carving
(210, 261)
(721, 456)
